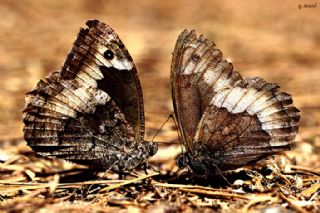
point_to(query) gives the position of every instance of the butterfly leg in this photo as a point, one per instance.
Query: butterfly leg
(147, 166)
(221, 175)
(121, 175)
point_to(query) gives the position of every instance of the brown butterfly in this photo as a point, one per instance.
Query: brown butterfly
(91, 112)
(225, 121)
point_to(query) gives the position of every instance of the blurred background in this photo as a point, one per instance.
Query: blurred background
(279, 41)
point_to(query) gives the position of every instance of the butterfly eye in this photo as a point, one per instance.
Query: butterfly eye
(182, 161)
(108, 55)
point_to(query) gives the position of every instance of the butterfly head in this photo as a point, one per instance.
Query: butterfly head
(182, 161)
(195, 165)
(199, 166)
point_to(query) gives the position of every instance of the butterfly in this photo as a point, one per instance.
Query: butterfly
(225, 121)
(91, 111)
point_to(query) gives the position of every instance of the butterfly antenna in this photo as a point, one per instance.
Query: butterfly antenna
(174, 118)
(155, 135)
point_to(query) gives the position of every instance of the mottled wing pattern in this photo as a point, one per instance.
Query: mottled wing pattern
(248, 122)
(91, 112)
(232, 120)
(196, 63)
(88, 63)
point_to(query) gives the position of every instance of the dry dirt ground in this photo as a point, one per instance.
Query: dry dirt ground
(279, 41)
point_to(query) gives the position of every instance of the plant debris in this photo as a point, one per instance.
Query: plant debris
(30, 182)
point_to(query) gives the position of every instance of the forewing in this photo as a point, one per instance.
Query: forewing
(247, 122)
(196, 65)
(89, 64)
(92, 111)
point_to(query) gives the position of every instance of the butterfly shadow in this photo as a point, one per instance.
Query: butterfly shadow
(218, 181)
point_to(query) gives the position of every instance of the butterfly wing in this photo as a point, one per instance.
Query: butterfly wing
(193, 58)
(88, 60)
(247, 122)
(222, 116)
(92, 111)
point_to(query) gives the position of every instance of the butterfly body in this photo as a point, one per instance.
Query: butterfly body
(225, 121)
(201, 163)
(90, 112)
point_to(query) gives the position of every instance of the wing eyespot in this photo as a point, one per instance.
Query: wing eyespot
(195, 57)
(108, 54)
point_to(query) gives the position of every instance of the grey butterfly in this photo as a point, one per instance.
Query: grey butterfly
(91, 112)
(225, 121)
